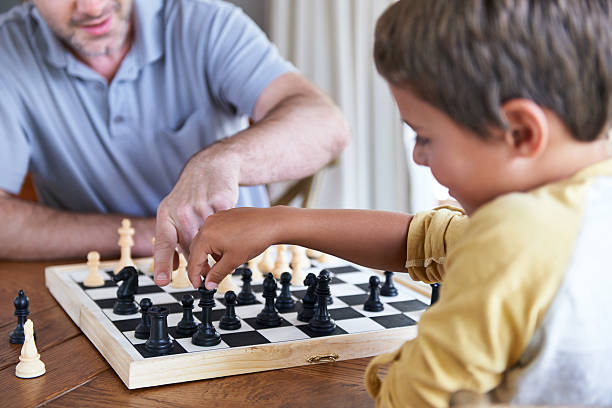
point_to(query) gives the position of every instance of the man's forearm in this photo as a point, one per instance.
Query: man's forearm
(376, 239)
(31, 231)
(294, 139)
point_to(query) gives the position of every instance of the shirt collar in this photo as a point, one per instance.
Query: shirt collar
(148, 43)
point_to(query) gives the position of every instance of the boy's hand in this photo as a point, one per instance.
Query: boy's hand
(232, 238)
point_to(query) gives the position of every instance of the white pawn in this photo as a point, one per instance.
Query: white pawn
(29, 365)
(298, 265)
(126, 242)
(312, 253)
(324, 258)
(253, 265)
(282, 262)
(180, 280)
(226, 285)
(93, 278)
(150, 270)
(266, 264)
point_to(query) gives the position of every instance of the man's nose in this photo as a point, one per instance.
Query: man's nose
(91, 7)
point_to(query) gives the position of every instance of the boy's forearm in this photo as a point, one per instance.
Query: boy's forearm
(31, 231)
(376, 239)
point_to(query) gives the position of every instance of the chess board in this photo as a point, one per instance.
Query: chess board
(251, 348)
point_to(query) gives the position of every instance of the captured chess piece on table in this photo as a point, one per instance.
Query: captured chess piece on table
(22, 310)
(126, 242)
(94, 278)
(29, 365)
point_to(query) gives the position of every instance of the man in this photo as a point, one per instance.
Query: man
(108, 102)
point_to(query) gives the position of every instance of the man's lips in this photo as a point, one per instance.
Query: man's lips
(99, 27)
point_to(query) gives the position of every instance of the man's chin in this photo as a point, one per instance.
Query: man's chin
(97, 48)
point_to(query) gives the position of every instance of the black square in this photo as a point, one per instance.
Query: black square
(334, 281)
(126, 325)
(173, 332)
(176, 349)
(396, 320)
(105, 303)
(247, 338)
(299, 294)
(311, 334)
(344, 313)
(143, 290)
(257, 288)
(343, 269)
(409, 305)
(172, 307)
(354, 300)
(252, 321)
(215, 315)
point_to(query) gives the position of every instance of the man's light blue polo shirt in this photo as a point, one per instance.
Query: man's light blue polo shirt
(192, 77)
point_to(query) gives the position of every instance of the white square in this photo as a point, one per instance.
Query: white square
(247, 311)
(130, 336)
(286, 333)
(144, 280)
(191, 348)
(355, 277)
(157, 298)
(337, 304)
(114, 317)
(359, 325)
(388, 310)
(345, 289)
(244, 326)
(415, 315)
(102, 293)
(175, 318)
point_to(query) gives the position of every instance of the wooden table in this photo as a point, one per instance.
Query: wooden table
(77, 375)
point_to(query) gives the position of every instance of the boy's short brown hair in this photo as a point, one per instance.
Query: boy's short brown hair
(468, 57)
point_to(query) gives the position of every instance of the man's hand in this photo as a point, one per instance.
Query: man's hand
(208, 183)
(232, 238)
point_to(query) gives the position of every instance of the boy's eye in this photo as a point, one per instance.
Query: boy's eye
(420, 140)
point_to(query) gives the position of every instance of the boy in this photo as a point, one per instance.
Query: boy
(512, 103)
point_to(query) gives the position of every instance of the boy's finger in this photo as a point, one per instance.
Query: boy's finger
(218, 271)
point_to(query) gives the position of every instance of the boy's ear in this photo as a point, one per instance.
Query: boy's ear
(528, 135)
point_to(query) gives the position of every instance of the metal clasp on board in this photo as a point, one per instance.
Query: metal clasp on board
(323, 358)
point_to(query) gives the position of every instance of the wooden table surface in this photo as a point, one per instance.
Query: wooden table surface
(77, 375)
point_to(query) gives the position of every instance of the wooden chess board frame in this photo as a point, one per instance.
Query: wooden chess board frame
(137, 372)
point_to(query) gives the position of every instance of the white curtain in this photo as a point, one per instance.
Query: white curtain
(331, 42)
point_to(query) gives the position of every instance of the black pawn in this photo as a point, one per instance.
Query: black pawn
(309, 299)
(21, 303)
(388, 289)
(373, 304)
(246, 295)
(230, 321)
(143, 330)
(328, 299)
(268, 316)
(284, 302)
(187, 326)
(435, 293)
(322, 321)
(159, 342)
(206, 334)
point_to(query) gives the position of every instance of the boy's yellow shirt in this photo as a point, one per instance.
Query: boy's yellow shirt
(502, 268)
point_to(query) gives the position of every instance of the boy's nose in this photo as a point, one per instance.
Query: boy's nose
(419, 156)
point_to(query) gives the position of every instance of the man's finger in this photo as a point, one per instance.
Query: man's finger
(163, 255)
